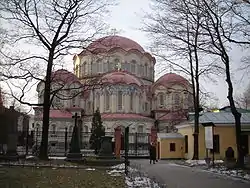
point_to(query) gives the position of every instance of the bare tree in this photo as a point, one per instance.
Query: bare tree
(175, 30)
(243, 101)
(215, 27)
(53, 28)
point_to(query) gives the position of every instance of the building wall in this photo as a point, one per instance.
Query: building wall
(165, 152)
(188, 131)
(226, 139)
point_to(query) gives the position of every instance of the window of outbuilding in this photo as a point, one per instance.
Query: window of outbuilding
(172, 147)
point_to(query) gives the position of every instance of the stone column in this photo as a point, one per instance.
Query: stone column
(117, 141)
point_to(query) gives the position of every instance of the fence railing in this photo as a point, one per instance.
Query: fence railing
(59, 143)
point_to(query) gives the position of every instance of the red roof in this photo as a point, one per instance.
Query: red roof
(64, 76)
(171, 78)
(124, 116)
(109, 42)
(120, 77)
(174, 116)
(58, 114)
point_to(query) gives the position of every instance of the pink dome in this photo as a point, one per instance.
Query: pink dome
(120, 77)
(109, 42)
(171, 78)
(64, 76)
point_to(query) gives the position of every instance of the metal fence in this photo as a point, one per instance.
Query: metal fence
(59, 143)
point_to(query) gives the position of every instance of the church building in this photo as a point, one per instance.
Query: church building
(117, 76)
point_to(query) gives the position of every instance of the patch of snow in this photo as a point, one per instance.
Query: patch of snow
(90, 169)
(122, 167)
(231, 173)
(56, 158)
(201, 162)
(54, 168)
(133, 182)
(30, 157)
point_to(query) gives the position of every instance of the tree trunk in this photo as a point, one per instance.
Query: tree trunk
(236, 114)
(46, 110)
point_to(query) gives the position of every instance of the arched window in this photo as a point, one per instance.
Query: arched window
(53, 129)
(71, 128)
(146, 70)
(77, 70)
(133, 63)
(107, 101)
(127, 66)
(142, 70)
(161, 99)
(85, 129)
(98, 66)
(97, 100)
(85, 71)
(140, 129)
(105, 67)
(131, 101)
(119, 100)
(176, 99)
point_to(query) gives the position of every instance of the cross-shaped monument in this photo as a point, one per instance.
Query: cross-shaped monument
(75, 152)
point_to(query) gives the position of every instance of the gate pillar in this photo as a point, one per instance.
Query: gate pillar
(153, 135)
(118, 142)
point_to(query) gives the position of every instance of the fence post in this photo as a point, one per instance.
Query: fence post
(27, 141)
(126, 149)
(66, 141)
(36, 137)
(136, 144)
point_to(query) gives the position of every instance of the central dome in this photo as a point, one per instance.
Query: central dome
(109, 42)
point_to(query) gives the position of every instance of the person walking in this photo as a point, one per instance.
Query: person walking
(152, 153)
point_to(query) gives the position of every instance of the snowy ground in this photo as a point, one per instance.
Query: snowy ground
(135, 179)
(220, 169)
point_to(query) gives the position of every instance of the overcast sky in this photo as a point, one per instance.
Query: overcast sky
(126, 17)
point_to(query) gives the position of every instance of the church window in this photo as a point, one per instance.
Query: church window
(107, 101)
(161, 99)
(140, 129)
(85, 67)
(131, 101)
(85, 129)
(73, 101)
(133, 66)
(177, 99)
(53, 128)
(119, 100)
(105, 67)
(127, 66)
(146, 107)
(142, 70)
(146, 70)
(77, 70)
(97, 100)
(94, 68)
(71, 128)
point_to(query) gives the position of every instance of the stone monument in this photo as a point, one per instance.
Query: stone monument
(106, 148)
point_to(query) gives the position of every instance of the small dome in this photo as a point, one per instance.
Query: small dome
(64, 76)
(171, 78)
(109, 42)
(120, 77)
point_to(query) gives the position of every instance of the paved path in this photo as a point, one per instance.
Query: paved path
(177, 176)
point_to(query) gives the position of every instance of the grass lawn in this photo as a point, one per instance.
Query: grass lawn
(19, 177)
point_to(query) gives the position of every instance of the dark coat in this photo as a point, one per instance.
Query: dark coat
(152, 152)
